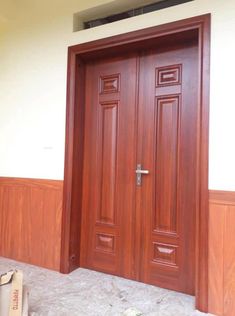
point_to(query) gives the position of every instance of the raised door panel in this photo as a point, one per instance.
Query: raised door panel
(109, 180)
(167, 111)
(108, 119)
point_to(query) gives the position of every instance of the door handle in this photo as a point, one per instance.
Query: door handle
(142, 171)
(139, 172)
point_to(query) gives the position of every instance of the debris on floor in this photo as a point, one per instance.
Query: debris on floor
(132, 312)
(88, 293)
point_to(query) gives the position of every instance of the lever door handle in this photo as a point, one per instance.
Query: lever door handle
(139, 171)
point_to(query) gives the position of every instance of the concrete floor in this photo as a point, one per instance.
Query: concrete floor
(89, 293)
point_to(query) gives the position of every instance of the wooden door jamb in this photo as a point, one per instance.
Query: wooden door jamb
(71, 217)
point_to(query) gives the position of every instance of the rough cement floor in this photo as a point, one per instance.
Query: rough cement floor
(89, 293)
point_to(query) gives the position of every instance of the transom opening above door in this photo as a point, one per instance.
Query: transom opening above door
(119, 10)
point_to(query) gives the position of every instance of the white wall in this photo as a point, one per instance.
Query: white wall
(33, 61)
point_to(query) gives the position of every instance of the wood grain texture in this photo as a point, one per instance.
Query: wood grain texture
(216, 258)
(109, 120)
(116, 45)
(202, 218)
(30, 221)
(109, 164)
(229, 262)
(165, 125)
(222, 253)
(222, 197)
(166, 152)
(169, 151)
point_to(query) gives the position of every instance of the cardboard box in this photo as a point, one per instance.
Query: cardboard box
(13, 295)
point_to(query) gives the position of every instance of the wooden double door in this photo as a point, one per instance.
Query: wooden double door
(139, 169)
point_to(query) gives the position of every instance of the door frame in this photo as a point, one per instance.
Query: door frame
(71, 215)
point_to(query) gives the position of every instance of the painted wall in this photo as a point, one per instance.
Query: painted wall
(33, 61)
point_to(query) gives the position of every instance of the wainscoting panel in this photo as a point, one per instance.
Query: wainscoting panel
(222, 253)
(30, 220)
(30, 231)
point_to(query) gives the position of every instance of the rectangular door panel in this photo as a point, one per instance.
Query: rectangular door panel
(167, 111)
(108, 119)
